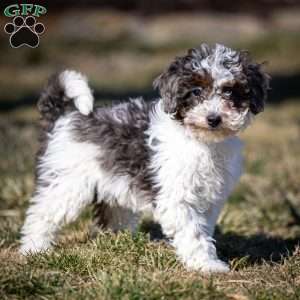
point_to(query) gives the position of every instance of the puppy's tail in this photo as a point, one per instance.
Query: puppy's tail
(65, 91)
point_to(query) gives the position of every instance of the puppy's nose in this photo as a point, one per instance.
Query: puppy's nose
(213, 120)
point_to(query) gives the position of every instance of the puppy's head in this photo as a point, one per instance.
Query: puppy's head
(213, 92)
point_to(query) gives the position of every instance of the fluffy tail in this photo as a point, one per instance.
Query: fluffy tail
(65, 91)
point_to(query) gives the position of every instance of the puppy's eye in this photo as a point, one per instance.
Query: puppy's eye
(227, 91)
(196, 92)
(196, 66)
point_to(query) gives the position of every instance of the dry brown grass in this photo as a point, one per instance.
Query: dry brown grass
(259, 229)
(258, 232)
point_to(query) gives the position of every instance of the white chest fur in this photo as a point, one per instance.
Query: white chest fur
(188, 170)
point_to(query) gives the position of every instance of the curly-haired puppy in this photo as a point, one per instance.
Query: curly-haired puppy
(177, 156)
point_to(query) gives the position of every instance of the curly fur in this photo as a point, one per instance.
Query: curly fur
(177, 156)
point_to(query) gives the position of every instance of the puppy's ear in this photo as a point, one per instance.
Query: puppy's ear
(258, 81)
(167, 84)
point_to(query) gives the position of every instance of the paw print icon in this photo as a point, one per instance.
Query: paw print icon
(24, 31)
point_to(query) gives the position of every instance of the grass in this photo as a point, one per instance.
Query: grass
(259, 228)
(258, 232)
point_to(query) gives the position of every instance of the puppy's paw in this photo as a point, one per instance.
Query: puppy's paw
(33, 247)
(214, 266)
(206, 265)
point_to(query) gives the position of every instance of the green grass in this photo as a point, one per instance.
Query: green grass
(258, 234)
(259, 228)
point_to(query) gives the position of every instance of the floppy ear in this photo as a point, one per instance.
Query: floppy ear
(167, 84)
(258, 82)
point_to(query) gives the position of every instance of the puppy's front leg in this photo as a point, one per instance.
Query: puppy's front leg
(191, 233)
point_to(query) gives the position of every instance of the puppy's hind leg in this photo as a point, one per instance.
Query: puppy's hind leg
(66, 182)
(52, 207)
(67, 169)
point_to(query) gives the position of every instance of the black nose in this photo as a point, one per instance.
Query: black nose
(213, 120)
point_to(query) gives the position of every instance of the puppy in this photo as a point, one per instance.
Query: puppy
(177, 156)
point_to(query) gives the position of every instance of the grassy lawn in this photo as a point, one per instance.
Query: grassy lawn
(259, 229)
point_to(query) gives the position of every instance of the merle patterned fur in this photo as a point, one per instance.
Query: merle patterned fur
(164, 156)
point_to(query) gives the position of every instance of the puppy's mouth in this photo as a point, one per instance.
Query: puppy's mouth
(206, 127)
(208, 132)
(217, 130)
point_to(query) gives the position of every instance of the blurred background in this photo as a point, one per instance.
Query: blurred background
(122, 46)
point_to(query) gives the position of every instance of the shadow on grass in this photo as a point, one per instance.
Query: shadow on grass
(256, 248)
(283, 87)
